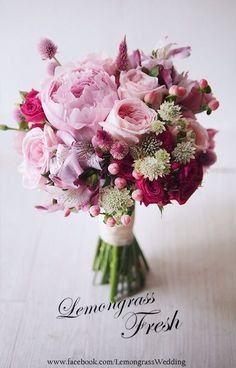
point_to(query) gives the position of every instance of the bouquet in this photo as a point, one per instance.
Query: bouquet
(105, 134)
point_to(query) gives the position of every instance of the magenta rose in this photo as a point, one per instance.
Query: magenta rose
(153, 192)
(32, 108)
(78, 97)
(183, 183)
(129, 120)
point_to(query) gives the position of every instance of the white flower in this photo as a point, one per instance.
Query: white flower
(169, 111)
(184, 152)
(114, 200)
(152, 167)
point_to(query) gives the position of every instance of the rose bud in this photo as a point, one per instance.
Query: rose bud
(203, 83)
(113, 169)
(111, 221)
(94, 211)
(120, 183)
(125, 220)
(137, 195)
(213, 105)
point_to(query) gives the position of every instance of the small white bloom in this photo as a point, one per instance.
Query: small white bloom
(169, 111)
(184, 152)
(152, 167)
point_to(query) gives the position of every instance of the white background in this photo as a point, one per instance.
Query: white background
(191, 250)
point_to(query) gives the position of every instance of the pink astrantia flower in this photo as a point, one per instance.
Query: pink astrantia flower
(119, 150)
(37, 149)
(129, 120)
(47, 48)
(78, 97)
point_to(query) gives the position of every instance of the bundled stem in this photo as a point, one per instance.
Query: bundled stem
(123, 267)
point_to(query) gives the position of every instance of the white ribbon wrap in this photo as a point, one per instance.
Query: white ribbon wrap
(117, 235)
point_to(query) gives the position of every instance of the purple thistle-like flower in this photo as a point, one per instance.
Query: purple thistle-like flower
(47, 48)
(51, 67)
(122, 59)
(119, 150)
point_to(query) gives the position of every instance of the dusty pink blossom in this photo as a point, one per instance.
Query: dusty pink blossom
(47, 48)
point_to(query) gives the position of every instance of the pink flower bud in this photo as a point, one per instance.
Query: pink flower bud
(173, 90)
(181, 91)
(51, 67)
(213, 105)
(203, 83)
(67, 212)
(111, 221)
(94, 211)
(120, 183)
(151, 98)
(137, 195)
(113, 169)
(136, 175)
(125, 220)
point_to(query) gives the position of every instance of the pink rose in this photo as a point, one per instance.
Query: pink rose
(37, 147)
(78, 97)
(201, 135)
(135, 83)
(32, 108)
(129, 120)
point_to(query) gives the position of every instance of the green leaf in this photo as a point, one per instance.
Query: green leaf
(23, 94)
(207, 89)
(171, 98)
(154, 71)
(161, 209)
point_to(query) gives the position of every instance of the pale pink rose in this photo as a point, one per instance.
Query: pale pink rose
(201, 135)
(129, 120)
(37, 148)
(78, 97)
(136, 83)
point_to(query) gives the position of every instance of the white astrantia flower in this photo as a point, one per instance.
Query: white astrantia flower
(169, 112)
(184, 152)
(158, 127)
(152, 167)
(114, 200)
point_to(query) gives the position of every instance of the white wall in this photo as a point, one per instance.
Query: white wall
(80, 27)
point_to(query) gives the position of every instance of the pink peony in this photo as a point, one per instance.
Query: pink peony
(17, 143)
(129, 120)
(31, 109)
(78, 97)
(135, 83)
(37, 148)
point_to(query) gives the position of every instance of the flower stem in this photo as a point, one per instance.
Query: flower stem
(6, 127)
(56, 60)
(114, 273)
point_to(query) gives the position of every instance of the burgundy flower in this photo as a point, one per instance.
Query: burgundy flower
(32, 108)
(182, 183)
(153, 192)
(125, 167)
(167, 140)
